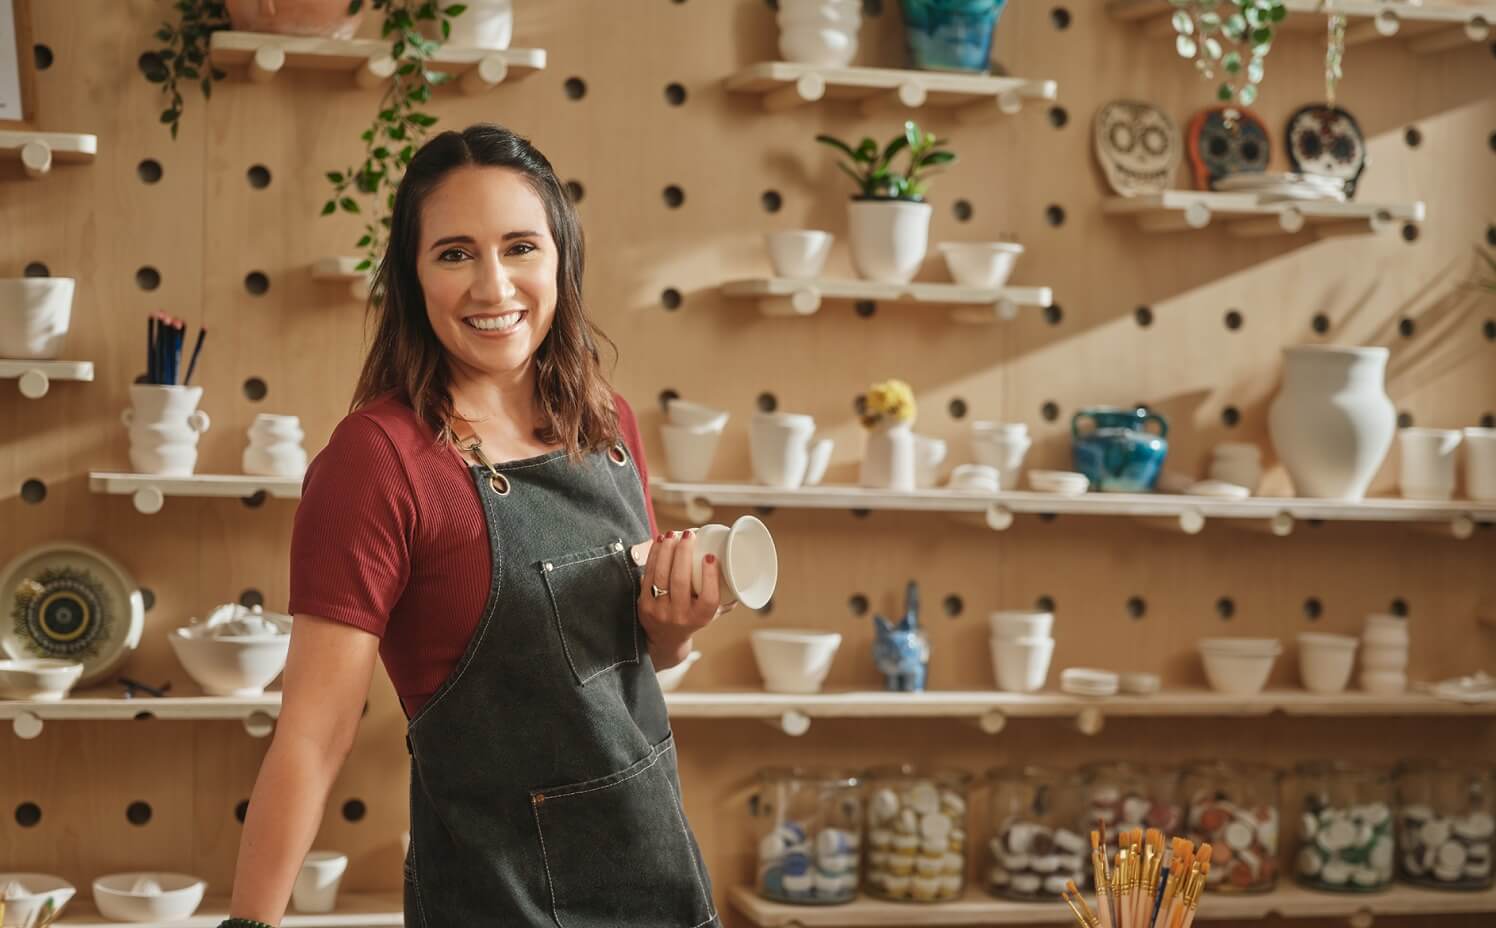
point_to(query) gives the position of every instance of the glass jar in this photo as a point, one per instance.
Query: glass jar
(1444, 825)
(809, 826)
(1035, 847)
(1234, 806)
(917, 827)
(1121, 797)
(1345, 835)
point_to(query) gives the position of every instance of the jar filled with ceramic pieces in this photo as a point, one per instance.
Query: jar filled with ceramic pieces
(1345, 835)
(809, 828)
(1036, 845)
(1444, 825)
(1122, 797)
(1234, 806)
(917, 826)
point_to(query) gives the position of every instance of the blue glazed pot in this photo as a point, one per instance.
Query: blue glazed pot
(1116, 451)
(951, 35)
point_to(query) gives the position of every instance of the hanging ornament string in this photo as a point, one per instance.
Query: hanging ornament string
(1334, 55)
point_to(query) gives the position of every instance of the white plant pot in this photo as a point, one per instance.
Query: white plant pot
(1002, 449)
(1332, 422)
(1240, 672)
(747, 557)
(981, 265)
(1480, 464)
(35, 313)
(779, 448)
(1020, 623)
(231, 666)
(1427, 458)
(689, 451)
(888, 460)
(1021, 665)
(888, 238)
(794, 661)
(316, 886)
(798, 253)
(485, 24)
(164, 424)
(1326, 661)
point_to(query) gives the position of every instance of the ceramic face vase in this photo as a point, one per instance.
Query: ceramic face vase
(1326, 141)
(1219, 148)
(1138, 147)
(1332, 422)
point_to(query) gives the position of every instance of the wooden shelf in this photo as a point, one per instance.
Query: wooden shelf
(1245, 215)
(344, 270)
(1186, 513)
(354, 911)
(780, 296)
(976, 907)
(38, 150)
(27, 716)
(34, 378)
(1428, 28)
(150, 492)
(367, 60)
(973, 97)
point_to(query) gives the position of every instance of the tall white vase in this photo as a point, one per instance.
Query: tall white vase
(888, 238)
(1332, 423)
(888, 463)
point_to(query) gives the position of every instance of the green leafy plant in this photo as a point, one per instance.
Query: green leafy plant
(872, 170)
(185, 54)
(1229, 38)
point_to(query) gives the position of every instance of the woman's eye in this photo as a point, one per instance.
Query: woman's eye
(522, 248)
(452, 254)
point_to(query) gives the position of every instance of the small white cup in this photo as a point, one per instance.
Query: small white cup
(980, 478)
(981, 265)
(316, 887)
(799, 253)
(1326, 661)
(1021, 664)
(746, 556)
(1020, 623)
(689, 451)
(1480, 464)
(1428, 462)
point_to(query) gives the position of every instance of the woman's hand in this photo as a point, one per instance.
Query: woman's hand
(671, 618)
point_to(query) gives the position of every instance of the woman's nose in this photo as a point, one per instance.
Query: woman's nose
(493, 284)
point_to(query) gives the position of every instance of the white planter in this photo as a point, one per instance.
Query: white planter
(1332, 422)
(1003, 446)
(888, 238)
(794, 661)
(34, 316)
(819, 32)
(1427, 462)
(1480, 464)
(1021, 665)
(888, 461)
(164, 424)
(798, 253)
(275, 447)
(231, 666)
(982, 265)
(779, 448)
(1020, 623)
(316, 886)
(1326, 661)
(689, 451)
(484, 24)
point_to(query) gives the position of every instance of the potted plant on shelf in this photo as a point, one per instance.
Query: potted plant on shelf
(887, 411)
(889, 218)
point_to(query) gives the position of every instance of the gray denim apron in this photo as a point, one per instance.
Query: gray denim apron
(543, 777)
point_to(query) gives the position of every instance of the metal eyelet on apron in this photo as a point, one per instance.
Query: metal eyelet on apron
(496, 480)
(498, 483)
(617, 455)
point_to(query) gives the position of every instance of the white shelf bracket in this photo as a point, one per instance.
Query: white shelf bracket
(908, 95)
(992, 722)
(148, 500)
(805, 301)
(267, 62)
(1291, 220)
(36, 158)
(792, 722)
(807, 88)
(1281, 524)
(485, 75)
(1090, 721)
(375, 71)
(999, 518)
(259, 724)
(33, 384)
(26, 725)
(1192, 521)
(1361, 919)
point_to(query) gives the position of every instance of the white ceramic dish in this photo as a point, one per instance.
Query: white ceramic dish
(798, 253)
(1062, 482)
(794, 661)
(981, 265)
(671, 677)
(124, 897)
(45, 679)
(1021, 665)
(1219, 489)
(231, 666)
(33, 898)
(689, 450)
(1085, 681)
(1237, 671)
(316, 887)
(696, 415)
(1139, 683)
(35, 313)
(1326, 661)
(1020, 623)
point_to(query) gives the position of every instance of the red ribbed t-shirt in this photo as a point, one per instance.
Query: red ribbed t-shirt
(390, 538)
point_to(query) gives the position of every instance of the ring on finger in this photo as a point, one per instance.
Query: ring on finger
(657, 592)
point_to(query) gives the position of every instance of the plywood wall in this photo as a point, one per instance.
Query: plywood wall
(204, 227)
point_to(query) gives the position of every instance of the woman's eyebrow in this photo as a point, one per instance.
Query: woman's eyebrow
(468, 239)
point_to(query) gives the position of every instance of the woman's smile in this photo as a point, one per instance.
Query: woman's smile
(497, 324)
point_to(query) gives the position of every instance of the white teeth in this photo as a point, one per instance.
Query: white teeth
(494, 323)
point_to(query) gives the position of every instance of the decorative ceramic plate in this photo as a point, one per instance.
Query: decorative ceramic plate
(73, 603)
(1326, 141)
(1138, 147)
(1220, 149)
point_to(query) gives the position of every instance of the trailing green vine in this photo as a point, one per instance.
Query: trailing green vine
(185, 55)
(1230, 38)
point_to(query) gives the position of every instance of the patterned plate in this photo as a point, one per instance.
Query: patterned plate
(70, 602)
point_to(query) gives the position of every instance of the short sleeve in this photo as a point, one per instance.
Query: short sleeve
(628, 427)
(351, 543)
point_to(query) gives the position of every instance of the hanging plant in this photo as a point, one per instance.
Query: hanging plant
(185, 55)
(1334, 55)
(1228, 40)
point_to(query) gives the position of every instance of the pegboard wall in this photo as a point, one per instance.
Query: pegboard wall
(676, 180)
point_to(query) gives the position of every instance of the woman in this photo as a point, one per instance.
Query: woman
(472, 521)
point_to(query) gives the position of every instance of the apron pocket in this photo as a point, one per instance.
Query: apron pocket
(594, 598)
(618, 853)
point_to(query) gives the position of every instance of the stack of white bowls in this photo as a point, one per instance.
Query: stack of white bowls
(1384, 654)
(1002, 445)
(819, 32)
(1021, 648)
(1239, 666)
(691, 435)
(1326, 661)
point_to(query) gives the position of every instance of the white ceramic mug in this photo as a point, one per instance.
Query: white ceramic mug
(779, 448)
(1021, 664)
(316, 887)
(1428, 462)
(746, 557)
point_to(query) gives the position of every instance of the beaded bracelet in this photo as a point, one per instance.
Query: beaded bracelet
(242, 923)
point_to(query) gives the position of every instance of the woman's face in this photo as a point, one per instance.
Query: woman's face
(488, 269)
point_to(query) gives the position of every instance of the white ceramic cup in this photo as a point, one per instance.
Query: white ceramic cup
(1021, 664)
(1004, 450)
(981, 265)
(794, 661)
(929, 454)
(779, 448)
(696, 415)
(798, 253)
(35, 313)
(1384, 682)
(1020, 623)
(1480, 464)
(1326, 661)
(689, 451)
(1428, 462)
(316, 887)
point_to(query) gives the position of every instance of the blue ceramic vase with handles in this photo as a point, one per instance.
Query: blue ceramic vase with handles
(951, 35)
(1114, 448)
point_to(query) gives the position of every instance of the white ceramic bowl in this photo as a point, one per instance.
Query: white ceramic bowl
(670, 677)
(231, 666)
(794, 661)
(1021, 623)
(117, 900)
(42, 679)
(1021, 665)
(1270, 647)
(983, 265)
(1139, 683)
(823, 46)
(35, 313)
(689, 450)
(1240, 673)
(36, 890)
(1384, 682)
(798, 253)
(1326, 661)
(696, 415)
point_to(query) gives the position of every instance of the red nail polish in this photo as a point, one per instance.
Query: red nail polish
(675, 534)
(660, 537)
(710, 558)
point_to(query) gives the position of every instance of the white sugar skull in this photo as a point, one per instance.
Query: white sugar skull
(1326, 140)
(1138, 146)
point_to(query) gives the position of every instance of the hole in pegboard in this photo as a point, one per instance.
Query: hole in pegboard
(354, 810)
(1399, 607)
(764, 511)
(363, 713)
(1136, 607)
(1054, 314)
(1059, 17)
(138, 813)
(1409, 232)
(1491, 235)
(241, 810)
(575, 88)
(1492, 141)
(1048, 517)
(147, 278)
(1144, 316)
(1413, 137)
(1313, 609)
(257, 283)
(147, 598)
(575, 191)
(151, 65)
(1058, 116)
(857, 604)
(767, 402)
(865, 309)
(1230, 417)
(962, 210)
(1233, 320)
(251, 598)
(255, 500)
(255, 389)
(1050, 410)
(41, 56)
(670, 298)
(675, 94)
(1406, 327)
(772, 201)
(860, 513)
(674, 196)
(37, 269)
(1488, 421)
(28, 814)
(258, 176)
(1044, 603)
(1226, 608)
(666, 395)
(1054, 214)
(149, 171)
(1314, 523)
(1404, 419)
(1489, 329)
(33, 491)
(859, 404)
(953, 606)
(957, 408)
(1320, 323)
(144, 716)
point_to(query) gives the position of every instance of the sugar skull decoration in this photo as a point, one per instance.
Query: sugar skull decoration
(1326, 140)
(1138, 147)
(1220, 146)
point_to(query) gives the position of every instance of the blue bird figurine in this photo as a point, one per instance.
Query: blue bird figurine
(902, 652)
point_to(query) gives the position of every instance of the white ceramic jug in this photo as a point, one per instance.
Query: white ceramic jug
(1332, 422)
(164, 424)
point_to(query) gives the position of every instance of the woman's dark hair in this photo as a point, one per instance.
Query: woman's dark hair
(406, 358)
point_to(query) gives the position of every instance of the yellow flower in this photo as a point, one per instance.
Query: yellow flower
(891, 400)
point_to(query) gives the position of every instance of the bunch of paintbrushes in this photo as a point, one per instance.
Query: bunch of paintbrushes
(1142, 887)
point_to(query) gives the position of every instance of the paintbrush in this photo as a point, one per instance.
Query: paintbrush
(1103, 891)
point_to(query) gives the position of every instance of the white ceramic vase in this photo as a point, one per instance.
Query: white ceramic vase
(1332, 422)
(779, 448)
(888, 238)
(275, 447)
(164, 424)
(819, 32)
(888, 462)
(34, 316)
